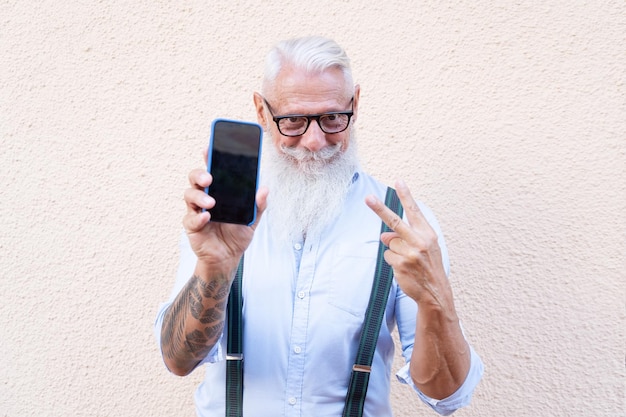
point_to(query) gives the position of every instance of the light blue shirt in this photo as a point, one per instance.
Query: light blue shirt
(303, 308)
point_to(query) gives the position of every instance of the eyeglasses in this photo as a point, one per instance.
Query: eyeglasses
(297, 124)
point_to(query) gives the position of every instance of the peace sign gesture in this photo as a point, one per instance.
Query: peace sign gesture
(414, 252)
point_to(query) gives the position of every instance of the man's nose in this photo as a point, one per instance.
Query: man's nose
(313, 139)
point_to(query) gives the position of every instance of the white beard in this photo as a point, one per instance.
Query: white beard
(307, 189)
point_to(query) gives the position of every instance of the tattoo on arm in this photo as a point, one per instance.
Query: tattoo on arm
(205, 302)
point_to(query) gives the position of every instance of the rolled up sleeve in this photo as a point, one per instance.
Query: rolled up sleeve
(460, 398)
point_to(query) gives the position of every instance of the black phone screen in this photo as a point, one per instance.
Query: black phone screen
(233, 161)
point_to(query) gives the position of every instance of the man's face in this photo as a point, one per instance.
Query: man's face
(308, 175)
(295, 92)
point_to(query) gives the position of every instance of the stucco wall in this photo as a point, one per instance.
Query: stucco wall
(507, 118)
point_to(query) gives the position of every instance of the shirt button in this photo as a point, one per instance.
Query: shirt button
(301, 294)
(293, 401)
(297, 349)
(297, 246)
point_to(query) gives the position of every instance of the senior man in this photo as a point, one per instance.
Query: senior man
(308, 267)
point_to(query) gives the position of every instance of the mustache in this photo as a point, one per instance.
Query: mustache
(304, 155)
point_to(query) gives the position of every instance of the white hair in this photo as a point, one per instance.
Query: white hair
(312, 54)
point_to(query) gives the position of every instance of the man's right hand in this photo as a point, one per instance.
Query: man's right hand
(217, 245)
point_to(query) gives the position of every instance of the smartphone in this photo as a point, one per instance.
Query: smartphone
(234, 161)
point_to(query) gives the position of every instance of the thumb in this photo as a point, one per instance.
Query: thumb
(261, 203)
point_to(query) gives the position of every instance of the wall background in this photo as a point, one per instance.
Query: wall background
(507, 118)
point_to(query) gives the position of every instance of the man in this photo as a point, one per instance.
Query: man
(309, 263)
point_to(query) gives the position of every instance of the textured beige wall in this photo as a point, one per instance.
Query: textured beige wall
(507, 118)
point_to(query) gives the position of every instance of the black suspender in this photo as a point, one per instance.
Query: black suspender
(234, 350)
(359, 379)
(355, 399)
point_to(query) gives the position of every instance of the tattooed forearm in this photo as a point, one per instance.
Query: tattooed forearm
(194, 322)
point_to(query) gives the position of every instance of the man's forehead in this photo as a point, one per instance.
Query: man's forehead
(299, 86)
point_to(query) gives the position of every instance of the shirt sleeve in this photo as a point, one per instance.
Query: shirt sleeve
(186, 267)
(460, 398)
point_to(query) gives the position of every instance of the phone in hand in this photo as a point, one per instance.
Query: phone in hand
(234, 161)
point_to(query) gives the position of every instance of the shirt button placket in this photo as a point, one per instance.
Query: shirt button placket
(301, 306)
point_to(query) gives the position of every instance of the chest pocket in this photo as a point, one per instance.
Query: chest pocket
(352, 276)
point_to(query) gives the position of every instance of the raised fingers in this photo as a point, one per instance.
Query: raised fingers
(412, 211)
(423, 235)
(387, 215)
(410, 230)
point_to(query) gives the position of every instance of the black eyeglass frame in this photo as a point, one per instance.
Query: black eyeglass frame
(310, 117)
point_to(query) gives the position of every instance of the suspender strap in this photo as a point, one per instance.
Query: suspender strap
(234, 350)
(357, 390)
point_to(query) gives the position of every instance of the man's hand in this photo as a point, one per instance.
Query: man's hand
(414, 252)
(215, 244)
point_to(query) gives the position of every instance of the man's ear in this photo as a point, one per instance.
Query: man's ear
(259, 105)
(357, 94)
